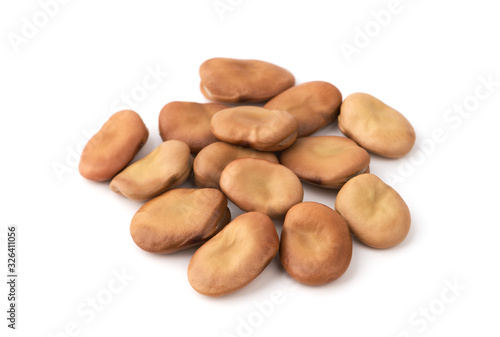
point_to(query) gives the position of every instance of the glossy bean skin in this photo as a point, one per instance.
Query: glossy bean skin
(259, 185)
(258, 128)
(113, 146)
(189, 122)
(179, 219)
(327, 161)
(235, 80)
(376, 126)
(314, 104)
(316, 244)
(375, 212)
(211, 161)
(166, 167)
(235, 256)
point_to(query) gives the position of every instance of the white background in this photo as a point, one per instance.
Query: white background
(74, 234)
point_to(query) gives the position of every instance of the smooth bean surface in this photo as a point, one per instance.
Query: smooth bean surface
(316, 245)
(376, 126)
(189, 122)
(258, 128)
(327, 161)
(113, 146)
(375, 212)
(234, 257)
(211, 161)
(166, 167)
(314, 105)
(234, 80)
(260, 185)
(179, 219)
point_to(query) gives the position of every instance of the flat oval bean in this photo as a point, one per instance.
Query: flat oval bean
(375, 212)
(259, 185)
(314, 104)
(327, 161)
(189, 122)
(179, 219)
(113, 146)
(376, 126)
(211, 161)
(316, 245)
(234, 80)
(258, 128)
(166, 167)
(234, 257)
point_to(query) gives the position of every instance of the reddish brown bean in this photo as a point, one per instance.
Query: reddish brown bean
(113, 146)
(233, 80)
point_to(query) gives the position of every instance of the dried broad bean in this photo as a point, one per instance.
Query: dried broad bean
(313, 104)
(258, 128)
(316, 245)
(376, 126)
(211, 161)
(166, 167)
(179, 219)
(374, 211)
(235, 256)
(233, 80)
(259, 185)
(113, 146)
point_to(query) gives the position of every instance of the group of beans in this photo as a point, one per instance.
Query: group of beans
(255, 157)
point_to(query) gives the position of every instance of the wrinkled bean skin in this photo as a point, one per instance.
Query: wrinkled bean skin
(113, 146)
(327, 161)
(234, 80)
(179, 219)
(314, 105)
(259, 185)
(211, 161)
(316, 245)
(376, 126)
(166, 167)
(374, 211)
(235, 256)
(258, 128)
(189, 122)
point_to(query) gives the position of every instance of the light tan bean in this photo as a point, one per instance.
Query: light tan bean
(314, 105)
(375, 212)
(376, 126)
(189, 122)
(258, 128)
(259, 185)
(233, 80)
(179, 219)
(211, 161)
(316, 245)
(234, 257)
(327, 161)
(113, 146)
(166, 167)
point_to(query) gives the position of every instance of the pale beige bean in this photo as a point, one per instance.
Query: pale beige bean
(166, 167)
(259, 185)
(233, 80)
(211, 161)
(327, 161)
(376, 126)
(113, 146)
(179, 219)
(258, 128)
(314, 104)
(189, 122)
(375, 212)
(234, 257)
(316, 245)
